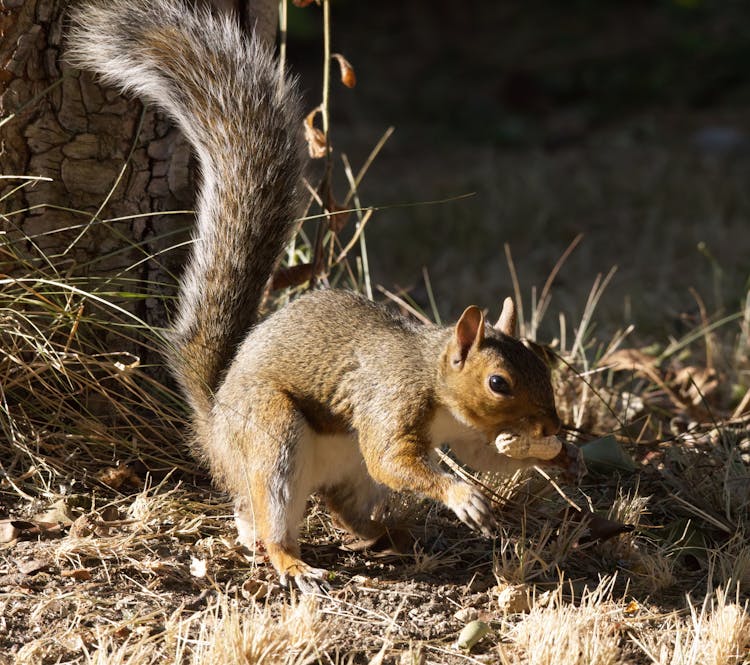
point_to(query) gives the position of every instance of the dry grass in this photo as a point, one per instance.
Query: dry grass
(225, 632)
(141, 565)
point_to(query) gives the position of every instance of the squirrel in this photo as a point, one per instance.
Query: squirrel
(333, 393)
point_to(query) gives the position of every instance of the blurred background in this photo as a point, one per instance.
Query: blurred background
(626, 122)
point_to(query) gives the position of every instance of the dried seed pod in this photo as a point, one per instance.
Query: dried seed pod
(521, 446)
(348, 77)
(316, 139)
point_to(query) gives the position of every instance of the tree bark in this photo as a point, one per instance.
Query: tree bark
(95, 146)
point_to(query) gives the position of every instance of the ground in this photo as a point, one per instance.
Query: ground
(128, 560)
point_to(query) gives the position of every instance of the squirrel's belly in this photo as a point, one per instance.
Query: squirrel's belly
(330, 459)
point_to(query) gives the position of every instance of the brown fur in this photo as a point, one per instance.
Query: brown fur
(333, 393)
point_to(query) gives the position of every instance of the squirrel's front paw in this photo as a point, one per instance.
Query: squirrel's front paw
(472, 507)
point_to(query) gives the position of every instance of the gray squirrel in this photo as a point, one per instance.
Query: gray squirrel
(332, 394)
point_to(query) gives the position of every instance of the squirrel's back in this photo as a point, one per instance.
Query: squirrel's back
(225, 91)
(319, 347)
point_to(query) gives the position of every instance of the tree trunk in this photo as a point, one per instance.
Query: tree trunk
(100, 151)
(92, 144)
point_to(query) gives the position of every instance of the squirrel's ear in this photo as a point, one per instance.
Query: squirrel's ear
(469, 332)
(506, 324)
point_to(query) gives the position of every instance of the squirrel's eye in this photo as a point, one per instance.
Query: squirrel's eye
(499, 385)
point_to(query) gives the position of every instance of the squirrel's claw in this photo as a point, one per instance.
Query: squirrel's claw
(472, 507)
(308, 580)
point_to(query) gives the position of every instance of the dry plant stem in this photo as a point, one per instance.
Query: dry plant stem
(544, 297)
(325, 185)
(361, 221)
(26, 180)
(678, 345)
(589, 386)
(358, 234)
(76, 291)
(617, 340)
(402, 303)
(283, 21)
(431, 296)
(368, 163)
(557, 488)
(595, 294)
(516, 290)
(704, 321)
(326, 69)
(743, 406)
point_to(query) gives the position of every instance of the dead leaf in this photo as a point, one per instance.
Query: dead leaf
(412, 656)
(339, 215)
(96, 524)
(466, 614)
(8, 531)
(607, 454)
(198, 568)
(632, 608)
(348, 77)
(316, 139)
(58, 513)
(634, 360)
(598, 528)
(32, 566)
(254, 589)
(83, 527)
(514, 598)
(570, 460)
(78, 574)
(76, 641)
(697, 384)
(629, 360)
(110, 514)
(285, 277)
(117, 476)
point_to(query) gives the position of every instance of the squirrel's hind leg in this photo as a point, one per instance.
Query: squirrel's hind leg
(267, 470)
(284, 553)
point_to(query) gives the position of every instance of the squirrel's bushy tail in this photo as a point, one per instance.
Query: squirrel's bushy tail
(225, 92)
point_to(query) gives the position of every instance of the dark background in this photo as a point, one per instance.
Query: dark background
(625, 121)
